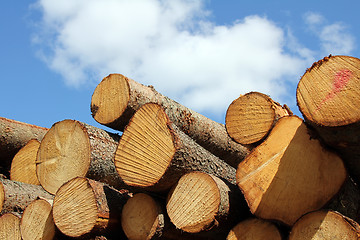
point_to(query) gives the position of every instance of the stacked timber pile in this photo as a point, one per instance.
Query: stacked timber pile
(172, 173)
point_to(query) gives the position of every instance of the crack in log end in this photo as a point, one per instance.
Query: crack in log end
(93, 109)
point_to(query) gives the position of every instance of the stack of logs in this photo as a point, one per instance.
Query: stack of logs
(172, 173)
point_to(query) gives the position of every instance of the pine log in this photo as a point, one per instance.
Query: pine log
(10, 227)
(202, 202)
(23, 165)
(324, 225)
(117, 98)
(289, 174)
(13, 136)
(254, 229)
(153, 154)
(16, 196)
(328, 98)
(142, 217)
(250, 117)
(84, 207)
(37, 221)
(74, 149)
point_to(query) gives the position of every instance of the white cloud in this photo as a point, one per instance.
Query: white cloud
(173, 46)
(334, 38)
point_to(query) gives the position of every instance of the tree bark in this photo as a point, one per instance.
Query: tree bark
(10, 227)
(117, 98)
(200, 202)
(71, 149)
(16, 196)
(290, 174)
(328, 98)
(250, 117)
(13, 136)
(37, 221)
(255, 229)
(84, 207)
(153, 154)
(325, 225)
(23, 165)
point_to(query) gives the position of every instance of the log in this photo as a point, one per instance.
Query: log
(23, 165)
(289, 174)
(254, 229)
(142, 217)
(202, 202)
(37, 221)
(323, 225)
(117, 98)
(84, 207)
(153, 153)
(13, 136)
(328, 98)
(10, 227)
(74, 149)
(250, 117)
(16, 196)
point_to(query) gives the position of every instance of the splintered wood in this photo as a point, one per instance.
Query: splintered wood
(173, 173)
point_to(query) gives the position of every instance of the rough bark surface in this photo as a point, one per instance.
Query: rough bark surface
(84, 207)
(153, 153)
(13, 136)
(208, 133)
(328, 98)
(16, 196)
(71, 149)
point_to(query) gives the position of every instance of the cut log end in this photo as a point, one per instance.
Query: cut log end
(37, 221)
(23, 166)
(325, 225)
(146, 148)
(75, 210)
(10, 227)
(194, 202)
(254, 229)
(327, 93)
(141, 217)
(64, 153)
(110, 99)
(250, 117)
(289, 174)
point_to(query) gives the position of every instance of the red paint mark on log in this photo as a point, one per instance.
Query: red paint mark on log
(341, 79)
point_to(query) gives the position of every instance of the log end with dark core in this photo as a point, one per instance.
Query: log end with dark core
(64, 153)
(110, 100)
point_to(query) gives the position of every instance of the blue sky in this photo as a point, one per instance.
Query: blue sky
(203, 54)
